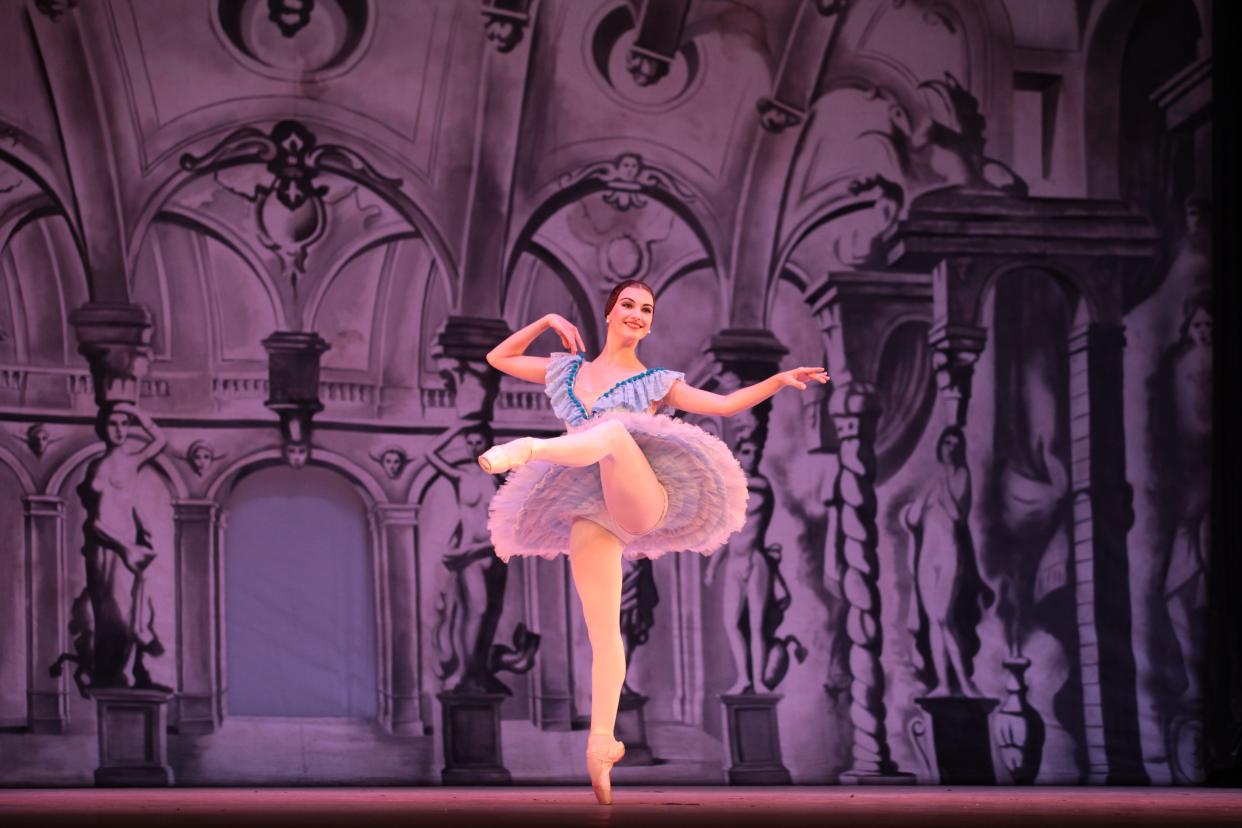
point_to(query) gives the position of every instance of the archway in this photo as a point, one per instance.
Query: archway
(299, 608)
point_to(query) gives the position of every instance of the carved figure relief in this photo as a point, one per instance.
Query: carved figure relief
(625, 177)
(115, 606)
(756, 596)
(200, 456)
(469, 608)
(949, 591)
(290, 210)
(393, 460)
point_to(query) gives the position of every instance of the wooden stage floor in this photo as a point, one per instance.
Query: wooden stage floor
(636, 806)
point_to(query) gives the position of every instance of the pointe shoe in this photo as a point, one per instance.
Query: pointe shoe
(499, 459)
(601, 757)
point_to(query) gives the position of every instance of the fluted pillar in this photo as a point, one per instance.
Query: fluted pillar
(197, 533)
(1101, 519)
(47, 709)
(401, 691)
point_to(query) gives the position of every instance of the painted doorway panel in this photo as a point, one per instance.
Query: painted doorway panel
(299, 607)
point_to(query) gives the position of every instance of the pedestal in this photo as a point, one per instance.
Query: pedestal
(960, 738)
(632, 730)
(754, 739)
(133, 748)
(470, 723)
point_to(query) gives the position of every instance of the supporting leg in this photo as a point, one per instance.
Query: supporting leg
(595, 561)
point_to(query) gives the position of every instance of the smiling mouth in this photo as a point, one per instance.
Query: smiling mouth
(633, 325)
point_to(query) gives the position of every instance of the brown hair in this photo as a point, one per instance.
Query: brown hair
(616, 293)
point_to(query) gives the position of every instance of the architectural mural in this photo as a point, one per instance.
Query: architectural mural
(238, 238)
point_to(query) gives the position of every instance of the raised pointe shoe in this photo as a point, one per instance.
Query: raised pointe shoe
(499, 459)
(601, 755)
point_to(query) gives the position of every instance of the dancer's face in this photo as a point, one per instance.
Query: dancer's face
(630, 317)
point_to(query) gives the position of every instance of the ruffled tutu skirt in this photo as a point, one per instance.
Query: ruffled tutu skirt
(534, 509)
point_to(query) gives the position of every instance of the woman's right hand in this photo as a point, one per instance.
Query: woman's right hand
(567, 331)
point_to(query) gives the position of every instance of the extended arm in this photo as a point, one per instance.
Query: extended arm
(697, 401)
(510, 356)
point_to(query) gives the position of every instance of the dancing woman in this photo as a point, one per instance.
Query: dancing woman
(623, 481)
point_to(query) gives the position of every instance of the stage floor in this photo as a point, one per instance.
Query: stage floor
(638, 806)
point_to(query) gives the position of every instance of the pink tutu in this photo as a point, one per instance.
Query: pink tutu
(534, 509)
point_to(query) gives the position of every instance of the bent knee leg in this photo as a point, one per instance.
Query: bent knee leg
(615, 432)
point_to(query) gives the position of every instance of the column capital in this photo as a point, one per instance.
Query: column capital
(460, 349)
(949, 336)
(955, 350)
(115, 338)
(468, 338)
(191, 509)
(395, 514)
(44, 505)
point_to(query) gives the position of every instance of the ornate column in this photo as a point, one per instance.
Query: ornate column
(470, 712)
(131, 720)
(197, 530)
(47, 705)
(751, 722)
(855, 409)
(402, 694)
(855, 309)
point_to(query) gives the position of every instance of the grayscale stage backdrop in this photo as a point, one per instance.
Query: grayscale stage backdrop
(282, 234)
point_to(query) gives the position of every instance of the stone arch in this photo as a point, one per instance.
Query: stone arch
(550, 203)
(173, 178)
(199, 222)
(336, 267)
(23, 476)
(1077, 290)
(50, 201)
(368, 487)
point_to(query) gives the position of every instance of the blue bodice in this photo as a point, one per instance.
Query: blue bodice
(637, 393)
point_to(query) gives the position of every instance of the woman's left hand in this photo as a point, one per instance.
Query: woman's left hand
(799, 377)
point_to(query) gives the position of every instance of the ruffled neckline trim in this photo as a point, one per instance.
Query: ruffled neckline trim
(573, 379)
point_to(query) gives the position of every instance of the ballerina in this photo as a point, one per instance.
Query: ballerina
(623, 481)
